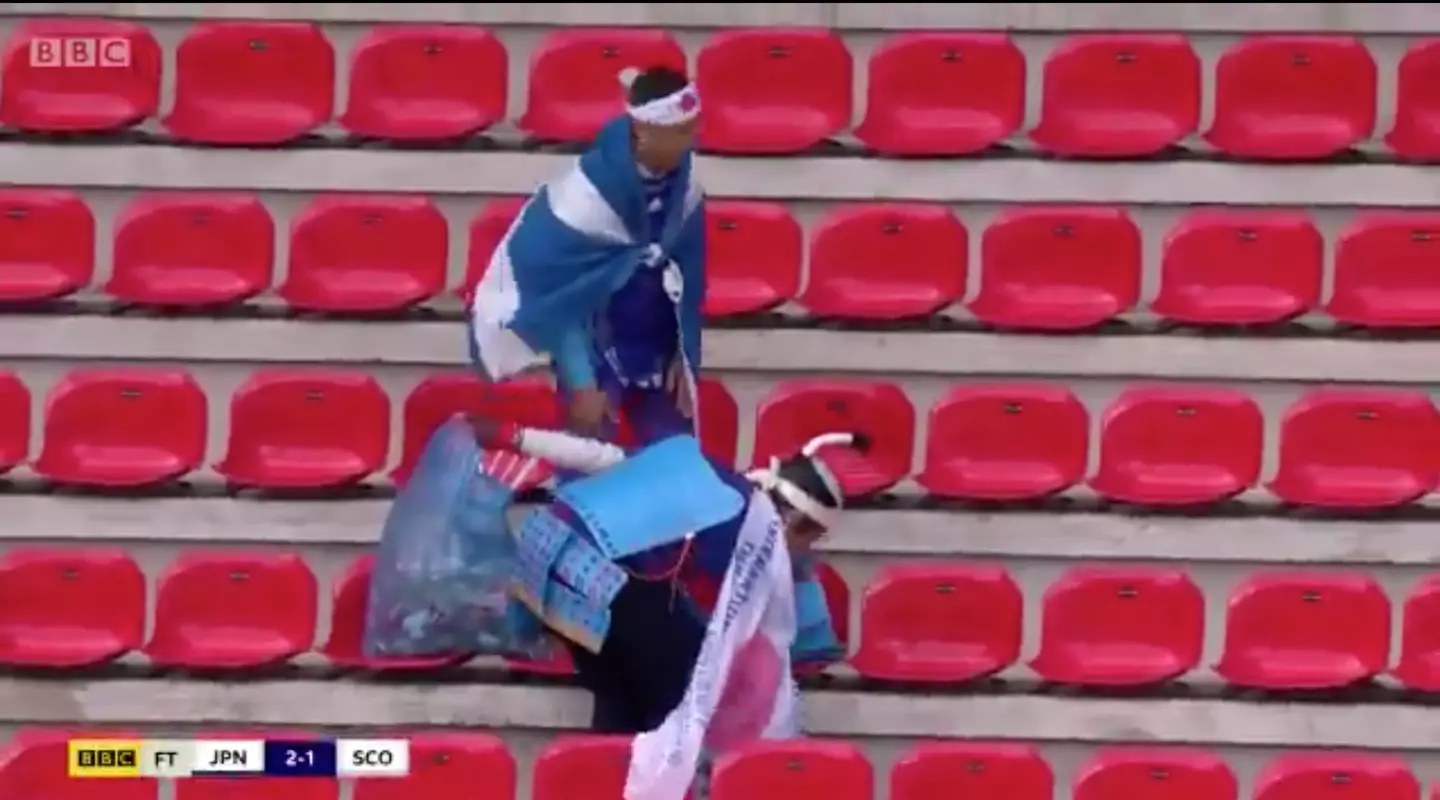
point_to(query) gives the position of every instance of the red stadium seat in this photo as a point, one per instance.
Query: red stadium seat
(123, 427)
(1005, 442)
(475, 766)
(574, 78)
(1120, 627)
(1179, 445)
(249, 787)
(793, 769)
(1223, 267)
(252, 83)
(886, 261)
(306, 429)
(1058, 268)
(1155, 772)
(69, 608)
(581, 767)
(753, 252)
(946, 770)
(47, 244)
(796, 411)
(366, 253)
(32, 767)
(1293, 97)
(837, 602)
(1419, 664)
(1119, 95)
(528, 401)
(1337, 776)
(487, 229)
(14, 422)
(233, 611)
(1385, 270)
(719, 421)
(558, 664)
(1416, 134)
(943, 93)
(343, 648)
(938, 622)
(52, 83)
(773, 90)
(426, 82)
(1343, 448)
(1305, 631)
(192, 249)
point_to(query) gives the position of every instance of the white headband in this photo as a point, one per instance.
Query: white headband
(677, 108)
(769, 479)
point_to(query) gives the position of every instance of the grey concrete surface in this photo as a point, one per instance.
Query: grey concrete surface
(442, 344)
(989, 181)
(1284, 17)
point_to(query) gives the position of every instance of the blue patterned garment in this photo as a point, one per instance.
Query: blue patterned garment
(638, 332)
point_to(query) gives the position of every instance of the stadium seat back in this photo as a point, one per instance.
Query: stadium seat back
(938, 622)
(1343, 448)
(943, 93)
(233, 611)
(1005, 442)
(1385, 270)
(1058, 268)
(582, 767)
(719, 421)
(1127, 772)
(574, 86)
(791, 769)
(886, 261)
(1119, 95)
(796, 411)
(527, 401)
(123, 427)
(1120, 627)
(944, 770)
(1337, 776)
(69, 607)
(753, 253)
(47, 244)
(14, 422)
(1305, 631)
(32, 768)
(1293, 97)
(1173, 446)
(52, 84)
(1223, 267)
(487, 230)
(192, 249)
(306, 429)
(1419, 663)
(366, 253)
(252, 83)
(476, 766)
(773, 90)
(1416, 132)
(426, 82)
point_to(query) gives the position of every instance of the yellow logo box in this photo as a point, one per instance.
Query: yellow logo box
(103, 758)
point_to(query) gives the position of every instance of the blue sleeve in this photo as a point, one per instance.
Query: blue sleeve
(573, 365)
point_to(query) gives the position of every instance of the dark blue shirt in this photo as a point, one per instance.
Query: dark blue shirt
(638, 333)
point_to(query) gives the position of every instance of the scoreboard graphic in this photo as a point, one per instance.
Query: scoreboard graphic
(165, 758)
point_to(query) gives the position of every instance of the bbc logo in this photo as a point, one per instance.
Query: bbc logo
(78, 52)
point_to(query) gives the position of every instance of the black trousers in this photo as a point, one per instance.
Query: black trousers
(642, 670)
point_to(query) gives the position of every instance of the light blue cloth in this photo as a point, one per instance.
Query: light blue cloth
(569, 257)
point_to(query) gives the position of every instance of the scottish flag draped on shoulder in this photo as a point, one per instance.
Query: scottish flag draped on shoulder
(576, 242)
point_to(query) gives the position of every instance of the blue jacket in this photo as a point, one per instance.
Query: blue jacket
(583, 236)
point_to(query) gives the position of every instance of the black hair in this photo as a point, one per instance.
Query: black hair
(804, 473)
(655, 83)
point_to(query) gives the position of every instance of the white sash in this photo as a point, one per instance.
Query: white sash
(756, 599)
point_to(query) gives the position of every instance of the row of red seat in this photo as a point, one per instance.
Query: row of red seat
(479, 766)
(1043, 267)
(766, 90)
(942, 622)
(1159, 445)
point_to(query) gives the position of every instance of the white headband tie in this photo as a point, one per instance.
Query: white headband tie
(769, 479)
(676, 108)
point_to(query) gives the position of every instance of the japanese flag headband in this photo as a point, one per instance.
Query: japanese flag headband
(677, 108)
(769, 479)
